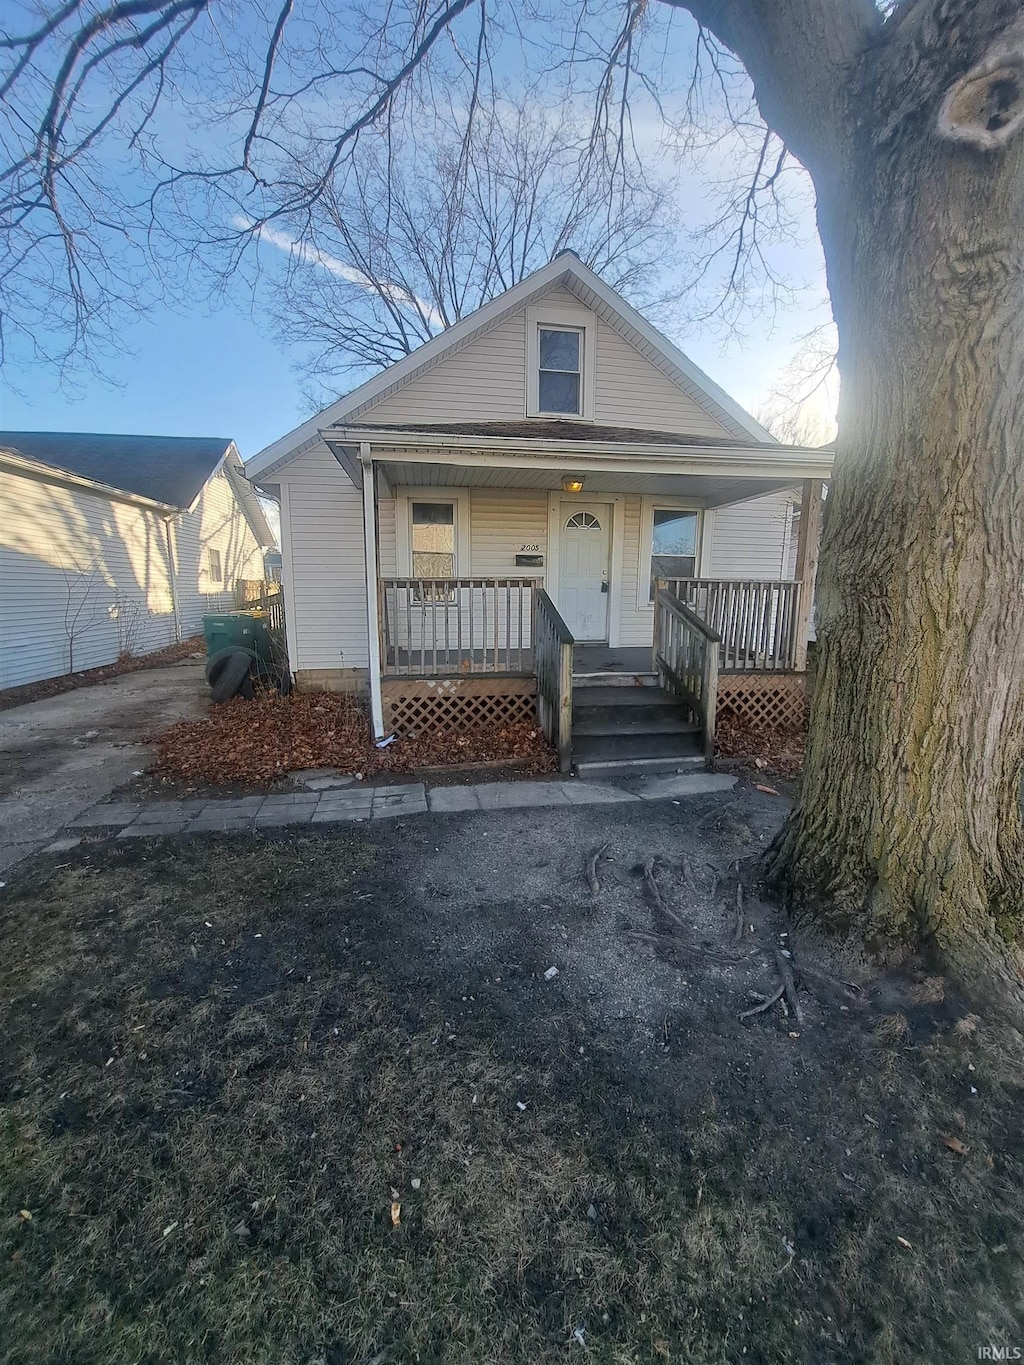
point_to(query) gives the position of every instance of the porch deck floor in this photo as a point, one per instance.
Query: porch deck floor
(603, 659)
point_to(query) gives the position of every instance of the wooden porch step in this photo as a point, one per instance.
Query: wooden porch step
(633, 746)
(617, 696)
(637, 722)
(621, 682)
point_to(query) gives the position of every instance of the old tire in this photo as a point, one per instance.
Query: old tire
(229, 673)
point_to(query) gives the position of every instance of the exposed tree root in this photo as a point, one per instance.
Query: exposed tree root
(592, 862)
(789, 985)
(765, 1004)
(740, 928)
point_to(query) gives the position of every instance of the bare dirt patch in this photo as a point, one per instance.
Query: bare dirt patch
(224, 1063)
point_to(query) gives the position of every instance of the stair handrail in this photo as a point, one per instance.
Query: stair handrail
(685, 657)
(552, 666)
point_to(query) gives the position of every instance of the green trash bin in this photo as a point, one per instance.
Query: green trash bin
(239, 630)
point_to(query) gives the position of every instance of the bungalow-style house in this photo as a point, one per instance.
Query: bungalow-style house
(113, 544)
(543, 502)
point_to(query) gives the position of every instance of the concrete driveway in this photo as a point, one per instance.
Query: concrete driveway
(58, 757)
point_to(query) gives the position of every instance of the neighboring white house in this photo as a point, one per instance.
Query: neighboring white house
(554, 440)
(114, 543)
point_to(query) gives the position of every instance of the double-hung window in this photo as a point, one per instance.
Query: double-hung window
(213, 568)
(673, 544)
(560, 378)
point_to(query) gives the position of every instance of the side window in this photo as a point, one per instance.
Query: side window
(673, 545)
(214, 568)
(560, 379)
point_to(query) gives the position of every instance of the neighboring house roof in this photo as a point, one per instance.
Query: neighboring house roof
(166, 469)
(567, 270)
(168, 472)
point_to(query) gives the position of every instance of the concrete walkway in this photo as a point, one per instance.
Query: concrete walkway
(370, 803)
(61, 755)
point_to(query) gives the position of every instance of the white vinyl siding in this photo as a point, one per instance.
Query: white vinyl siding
(215, 523)
(324, 565)
(631, 392)
(483, 381)
(63, 549)
(750, 539)
(487, 381)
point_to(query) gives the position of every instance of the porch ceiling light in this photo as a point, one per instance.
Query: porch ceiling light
(572, 483)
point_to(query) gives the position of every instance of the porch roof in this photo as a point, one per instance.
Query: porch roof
(538, 456)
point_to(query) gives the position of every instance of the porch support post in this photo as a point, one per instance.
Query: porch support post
(808, 540)
(372, 589)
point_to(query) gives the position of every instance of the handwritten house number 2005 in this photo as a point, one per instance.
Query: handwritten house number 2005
(527, 549)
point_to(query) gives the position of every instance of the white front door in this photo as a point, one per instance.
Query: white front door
(583, 569)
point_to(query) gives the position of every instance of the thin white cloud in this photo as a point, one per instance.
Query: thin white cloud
(311, 255)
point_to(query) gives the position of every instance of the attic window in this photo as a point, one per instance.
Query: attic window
(560, 371)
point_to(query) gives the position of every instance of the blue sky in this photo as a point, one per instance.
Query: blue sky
(223, 374)
(220, 370)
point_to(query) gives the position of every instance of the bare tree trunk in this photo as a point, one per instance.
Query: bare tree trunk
(908, 832)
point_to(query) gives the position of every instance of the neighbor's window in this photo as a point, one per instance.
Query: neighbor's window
(560, 382)
(214, 569)
(673, 545)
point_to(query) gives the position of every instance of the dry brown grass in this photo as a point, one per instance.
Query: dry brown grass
(213, 1086)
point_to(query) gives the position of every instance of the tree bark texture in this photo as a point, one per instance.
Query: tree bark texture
(908, 831)
(907, 835)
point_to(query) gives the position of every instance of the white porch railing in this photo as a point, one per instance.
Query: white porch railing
(758, 620)
(432, 627)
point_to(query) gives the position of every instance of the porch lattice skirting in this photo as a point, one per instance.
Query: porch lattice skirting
(766, 700)
(454, 704)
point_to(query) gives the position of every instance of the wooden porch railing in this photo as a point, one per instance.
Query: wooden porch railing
(432, 627)
(686, 659)
(757, 620)
(552, 655)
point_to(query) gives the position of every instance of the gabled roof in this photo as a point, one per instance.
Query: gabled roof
(167, 469)
(566, 270)
(165, 472)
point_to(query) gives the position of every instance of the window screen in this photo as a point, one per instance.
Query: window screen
(673, 545)
(559, 385)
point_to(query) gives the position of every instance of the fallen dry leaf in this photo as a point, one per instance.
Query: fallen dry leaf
(771, 791)
(954, 1144)
(904, 1243)
(780, 751)
(258, 741)
(396, 1213)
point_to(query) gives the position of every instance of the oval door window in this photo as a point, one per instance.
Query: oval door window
(583, 521)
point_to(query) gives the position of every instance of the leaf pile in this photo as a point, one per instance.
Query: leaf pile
(779, 750)
(258, 741)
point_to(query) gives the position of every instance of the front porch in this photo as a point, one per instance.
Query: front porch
(609, 552)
